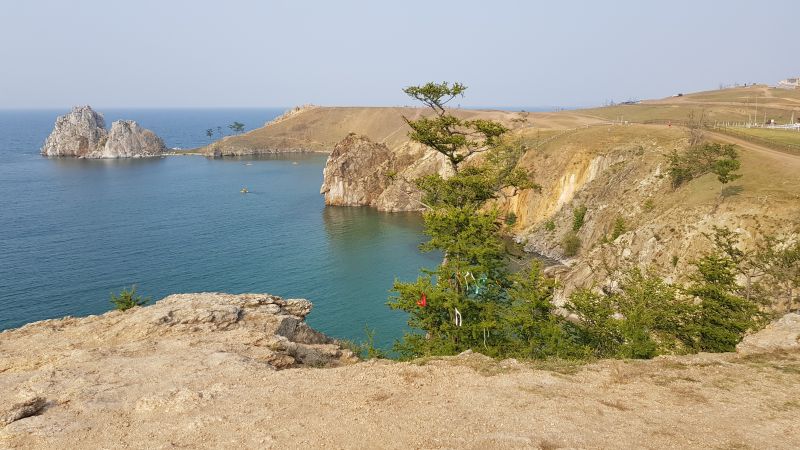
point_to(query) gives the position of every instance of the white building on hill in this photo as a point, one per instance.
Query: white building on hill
(789, 83)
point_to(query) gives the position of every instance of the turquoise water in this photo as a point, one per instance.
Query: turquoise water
(72, 231)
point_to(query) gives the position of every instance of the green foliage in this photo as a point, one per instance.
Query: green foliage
(511, 219)
(723, 317)
(472, 301)
(619, 228)
(649, 205)
(644, 318)
(455, 138)
(236, 127)
(531, 327)
(571, 243)
(721, 160)
(578, 216)
(550, 225)
(128, 299)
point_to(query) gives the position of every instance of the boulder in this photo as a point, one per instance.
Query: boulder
(127, 139)
(79, 133)
(781, 335)
(361, 172)
(358, 170)
(82, 133)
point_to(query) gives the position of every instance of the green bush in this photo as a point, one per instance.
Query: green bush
(128, 299)
(578, 215)
(511, 219)
(550, 225)
(571, 243)
(619, 228)
(721, 160)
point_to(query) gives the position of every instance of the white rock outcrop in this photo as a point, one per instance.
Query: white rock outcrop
(361, 172)
(82, 133)
(781, 335)
(79, 133)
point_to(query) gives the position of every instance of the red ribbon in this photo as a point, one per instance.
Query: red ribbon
(422, 301)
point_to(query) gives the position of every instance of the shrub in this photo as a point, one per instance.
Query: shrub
(511, 219)
(550, 225)
(619, 228)
(578, 215)
(128, 299)
(646, 317)
(721, 160)
(571, 243)
(649, 205)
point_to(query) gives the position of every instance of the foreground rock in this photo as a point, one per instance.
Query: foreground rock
(82, 133)
(361, 172)
(196, 371)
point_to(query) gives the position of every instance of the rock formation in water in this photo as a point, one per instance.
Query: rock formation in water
(82, 133)
(78, 133)
(129, 140)
(361, 172)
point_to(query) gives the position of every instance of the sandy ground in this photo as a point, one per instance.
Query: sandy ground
(180, 388)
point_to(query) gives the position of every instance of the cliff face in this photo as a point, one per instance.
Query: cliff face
(82, 133)
(360, 172)
(620, 174)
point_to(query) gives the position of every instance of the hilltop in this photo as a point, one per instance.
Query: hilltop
(611, 160)
(199, 370)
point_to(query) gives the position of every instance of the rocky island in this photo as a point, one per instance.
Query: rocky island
(82, 133)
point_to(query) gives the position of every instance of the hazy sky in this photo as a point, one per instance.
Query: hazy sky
(281, 53)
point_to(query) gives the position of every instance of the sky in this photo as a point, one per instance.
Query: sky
(248, 53)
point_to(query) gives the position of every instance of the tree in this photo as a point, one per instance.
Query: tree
(236, 127)
(723, 317)
(721, 160)
(128, 299)
(461, 304)
(644, 318)
(455, 138)
(210, 133)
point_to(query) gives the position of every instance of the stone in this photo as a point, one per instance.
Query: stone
(82, 133)
(780, 335)
(26, 408)
(127, 139)
(361, 172)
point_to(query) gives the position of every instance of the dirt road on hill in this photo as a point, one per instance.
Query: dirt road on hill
(784, 157)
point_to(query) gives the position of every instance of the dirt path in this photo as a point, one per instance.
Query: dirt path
(786, 158)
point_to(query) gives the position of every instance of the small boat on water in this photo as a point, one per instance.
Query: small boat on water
(244, 191)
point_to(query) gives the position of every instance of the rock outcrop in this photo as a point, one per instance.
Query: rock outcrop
(129, 140)
(781, 335)
(82, 133)
(79, 133)
(361, 172)
(195, 371)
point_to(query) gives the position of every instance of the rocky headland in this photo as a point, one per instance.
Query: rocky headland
(202, 370)
(82, 133)
(361, 172)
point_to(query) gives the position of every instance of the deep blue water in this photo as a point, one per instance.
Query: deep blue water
(72, 231)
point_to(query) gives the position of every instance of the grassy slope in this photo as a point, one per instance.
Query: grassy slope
(320, 128)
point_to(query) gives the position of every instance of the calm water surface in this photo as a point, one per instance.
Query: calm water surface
(72, 231)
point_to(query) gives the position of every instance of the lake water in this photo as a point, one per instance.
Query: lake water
(72, 231)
